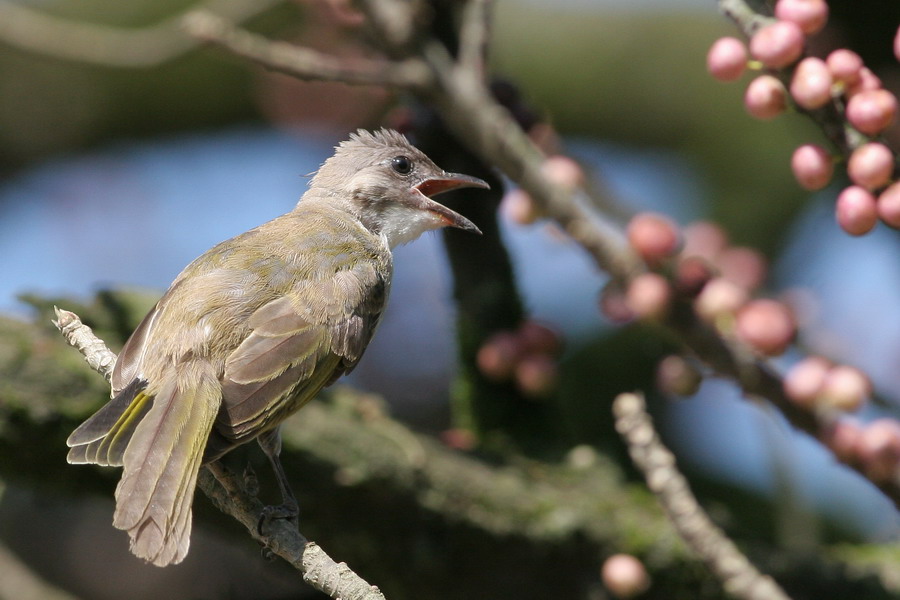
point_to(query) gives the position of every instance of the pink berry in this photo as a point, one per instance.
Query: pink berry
(842, 437)
(812, 166)
(871, 111)
(878, 449)
(856, 211)
(704, 239)
(727, 59)
(675, 375)
(897, 44)
(744, 266)
(648, 296)
(691, 274)
(625, 576)
(889, 206)
(497, 357)
(777, 45)
(845, 388)
(809, 15)
(614, 305)
(765, 98)
(871, 165)
(845, 65)
(653, 236)
(518, 206)
(811, 83)
(766, 325)
(719, 297)
(459, 439)
(803, 382)
(868, 81)
(537, 375)
(563, 171)
(536, 337)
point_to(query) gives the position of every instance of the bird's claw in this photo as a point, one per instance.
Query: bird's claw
(281, 511)
(267, 553)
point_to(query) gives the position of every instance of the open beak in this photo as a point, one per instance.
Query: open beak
(444, 183)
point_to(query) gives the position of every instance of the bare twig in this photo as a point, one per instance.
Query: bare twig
(393, 22)
(228, 494)
(739, 577)
(302, 62)
(98, 356)
(749, 20)
(92, 43)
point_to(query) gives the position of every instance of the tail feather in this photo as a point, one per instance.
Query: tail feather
(161, 463)
(102, 438)
(102, 421)
(110, 451)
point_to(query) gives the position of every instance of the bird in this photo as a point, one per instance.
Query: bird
(253, 329)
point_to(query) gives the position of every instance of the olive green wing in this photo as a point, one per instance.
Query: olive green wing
(299, 343)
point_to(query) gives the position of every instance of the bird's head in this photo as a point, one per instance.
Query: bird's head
(389, 183)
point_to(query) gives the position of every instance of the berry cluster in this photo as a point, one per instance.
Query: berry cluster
(872, 448)
(816, 383)
(698, 263)
(526, 356)
(841, 83)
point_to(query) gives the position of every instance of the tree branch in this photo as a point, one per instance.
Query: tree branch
(304, 63)
(474, 36)
(738, 575)
(109, 46)
(82, 338)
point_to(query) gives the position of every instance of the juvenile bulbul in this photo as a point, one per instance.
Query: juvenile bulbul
(251, 330)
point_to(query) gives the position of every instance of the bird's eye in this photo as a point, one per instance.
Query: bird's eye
(402, 165)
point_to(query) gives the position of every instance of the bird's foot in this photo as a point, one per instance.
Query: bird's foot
(288, 510)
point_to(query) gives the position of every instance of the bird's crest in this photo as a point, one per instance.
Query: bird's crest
(382, 138)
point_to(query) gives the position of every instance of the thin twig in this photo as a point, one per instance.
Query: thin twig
(749, 20)
(738, 575)
(393, 22)
(281, 537)
(229, 494)
(304, 63)
(77, 334)
(92, 43)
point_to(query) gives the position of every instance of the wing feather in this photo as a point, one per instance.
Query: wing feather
(299, 343)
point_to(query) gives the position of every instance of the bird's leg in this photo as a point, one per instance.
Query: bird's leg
(270, 442)
(251, 482)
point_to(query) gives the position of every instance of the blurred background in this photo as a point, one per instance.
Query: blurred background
(116, 177)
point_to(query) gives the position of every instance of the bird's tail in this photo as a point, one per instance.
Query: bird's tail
(159, 438)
